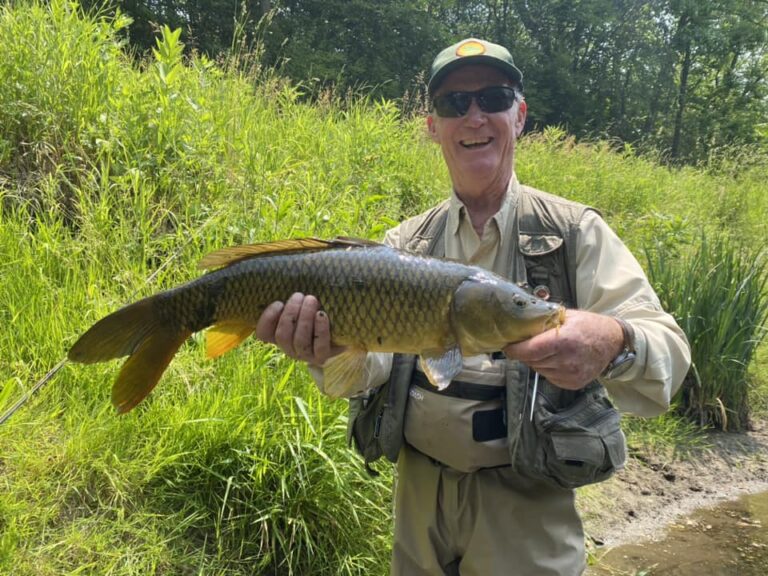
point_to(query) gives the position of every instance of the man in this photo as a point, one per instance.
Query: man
(486, 469)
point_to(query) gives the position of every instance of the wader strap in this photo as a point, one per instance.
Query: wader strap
(459, 389)
(389, 429)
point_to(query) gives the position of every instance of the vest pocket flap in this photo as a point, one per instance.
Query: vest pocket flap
(578, 449)
(617, 448)
(539, 244)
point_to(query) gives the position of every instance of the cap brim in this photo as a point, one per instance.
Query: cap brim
(505, 68)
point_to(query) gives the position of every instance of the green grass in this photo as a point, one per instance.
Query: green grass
(115, 178)
(757, 378)
(646, 202)
(719, 294)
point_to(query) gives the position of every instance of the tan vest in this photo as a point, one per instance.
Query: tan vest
(574, 437)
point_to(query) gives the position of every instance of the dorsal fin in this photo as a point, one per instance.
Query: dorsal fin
(353, 242)
(233, 254)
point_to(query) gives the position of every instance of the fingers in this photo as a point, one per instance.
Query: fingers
(287, 325)
(537, 349)
(267, 324)
(322, 338)
(304, 331)
(573, 355)
(299, 328)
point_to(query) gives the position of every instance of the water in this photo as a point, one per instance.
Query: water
(729, 540)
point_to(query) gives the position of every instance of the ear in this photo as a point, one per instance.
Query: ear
(431, 128)
(522, 113)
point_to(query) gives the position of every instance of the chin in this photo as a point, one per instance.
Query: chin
(481, 170)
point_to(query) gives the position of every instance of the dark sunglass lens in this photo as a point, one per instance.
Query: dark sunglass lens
(452, 104)
(443, 107)
(456, 104)
(496, 99)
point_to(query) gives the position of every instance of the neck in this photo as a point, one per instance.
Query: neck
(482, 206)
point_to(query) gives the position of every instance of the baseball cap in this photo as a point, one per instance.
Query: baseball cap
(472, 51)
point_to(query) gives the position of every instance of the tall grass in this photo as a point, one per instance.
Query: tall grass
(718, 291)
(237, 467)
(115, 178)
(644, 200)
(758, 382)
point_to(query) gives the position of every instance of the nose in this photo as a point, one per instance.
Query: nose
(475, 115)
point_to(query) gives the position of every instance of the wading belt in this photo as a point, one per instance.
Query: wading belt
(487, 424)
(459, 389)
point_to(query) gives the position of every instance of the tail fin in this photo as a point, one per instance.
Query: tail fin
(133, 331)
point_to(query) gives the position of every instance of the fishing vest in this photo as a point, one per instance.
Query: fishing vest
(567, 438)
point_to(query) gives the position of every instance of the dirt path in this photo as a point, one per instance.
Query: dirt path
(640, 502)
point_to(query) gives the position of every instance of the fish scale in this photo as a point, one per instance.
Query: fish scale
(377, 298)
(404, 296)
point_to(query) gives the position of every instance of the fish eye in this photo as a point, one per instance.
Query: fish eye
(520, 303)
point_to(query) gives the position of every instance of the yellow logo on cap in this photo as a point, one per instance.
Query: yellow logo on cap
(470, 48)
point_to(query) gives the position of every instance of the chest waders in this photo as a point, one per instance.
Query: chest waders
(566, 438)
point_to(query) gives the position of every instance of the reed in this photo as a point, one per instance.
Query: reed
(717, 290)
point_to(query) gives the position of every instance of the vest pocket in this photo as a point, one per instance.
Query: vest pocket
(544, 264)
(580, 444)
(364, 426)
(375, 424)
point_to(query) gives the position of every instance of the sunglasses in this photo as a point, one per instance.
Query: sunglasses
(491, 99)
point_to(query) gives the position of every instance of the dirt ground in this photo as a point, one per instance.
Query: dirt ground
(653, 491)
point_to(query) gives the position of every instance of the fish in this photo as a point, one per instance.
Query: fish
(377, 299)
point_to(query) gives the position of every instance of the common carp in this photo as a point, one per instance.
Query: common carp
(377, 299)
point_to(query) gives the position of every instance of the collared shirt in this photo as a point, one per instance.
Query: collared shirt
(609, 280)
(492, 250)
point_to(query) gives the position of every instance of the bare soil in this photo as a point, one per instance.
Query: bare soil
(653, 491)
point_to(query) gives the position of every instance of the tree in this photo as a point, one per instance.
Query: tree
(383, 46)
(680, 76)
(720, 56)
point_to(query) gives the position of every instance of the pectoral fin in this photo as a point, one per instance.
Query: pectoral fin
(441, 368)
(224, 336)
(344, 374)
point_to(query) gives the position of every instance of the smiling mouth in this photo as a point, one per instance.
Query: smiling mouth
(471, 144)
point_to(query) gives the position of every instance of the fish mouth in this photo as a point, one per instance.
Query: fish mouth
(556, 320)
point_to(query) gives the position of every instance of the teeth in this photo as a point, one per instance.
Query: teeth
(472, 143)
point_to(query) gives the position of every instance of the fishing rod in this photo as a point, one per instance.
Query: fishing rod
(52, 372)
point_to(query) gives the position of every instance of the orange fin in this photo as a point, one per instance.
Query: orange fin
(116, 335)
(353, 242)
(235, 254)
(224, 336)
(344, 374)
(134, 330)
(143, 369)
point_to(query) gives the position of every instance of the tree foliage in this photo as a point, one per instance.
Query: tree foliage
(383, 45)
(683, 77)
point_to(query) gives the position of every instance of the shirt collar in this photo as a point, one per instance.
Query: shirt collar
(457, 211)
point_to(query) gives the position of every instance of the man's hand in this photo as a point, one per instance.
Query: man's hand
(299, 328)
(574, 354)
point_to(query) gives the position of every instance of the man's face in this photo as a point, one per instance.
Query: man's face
(478, 147)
